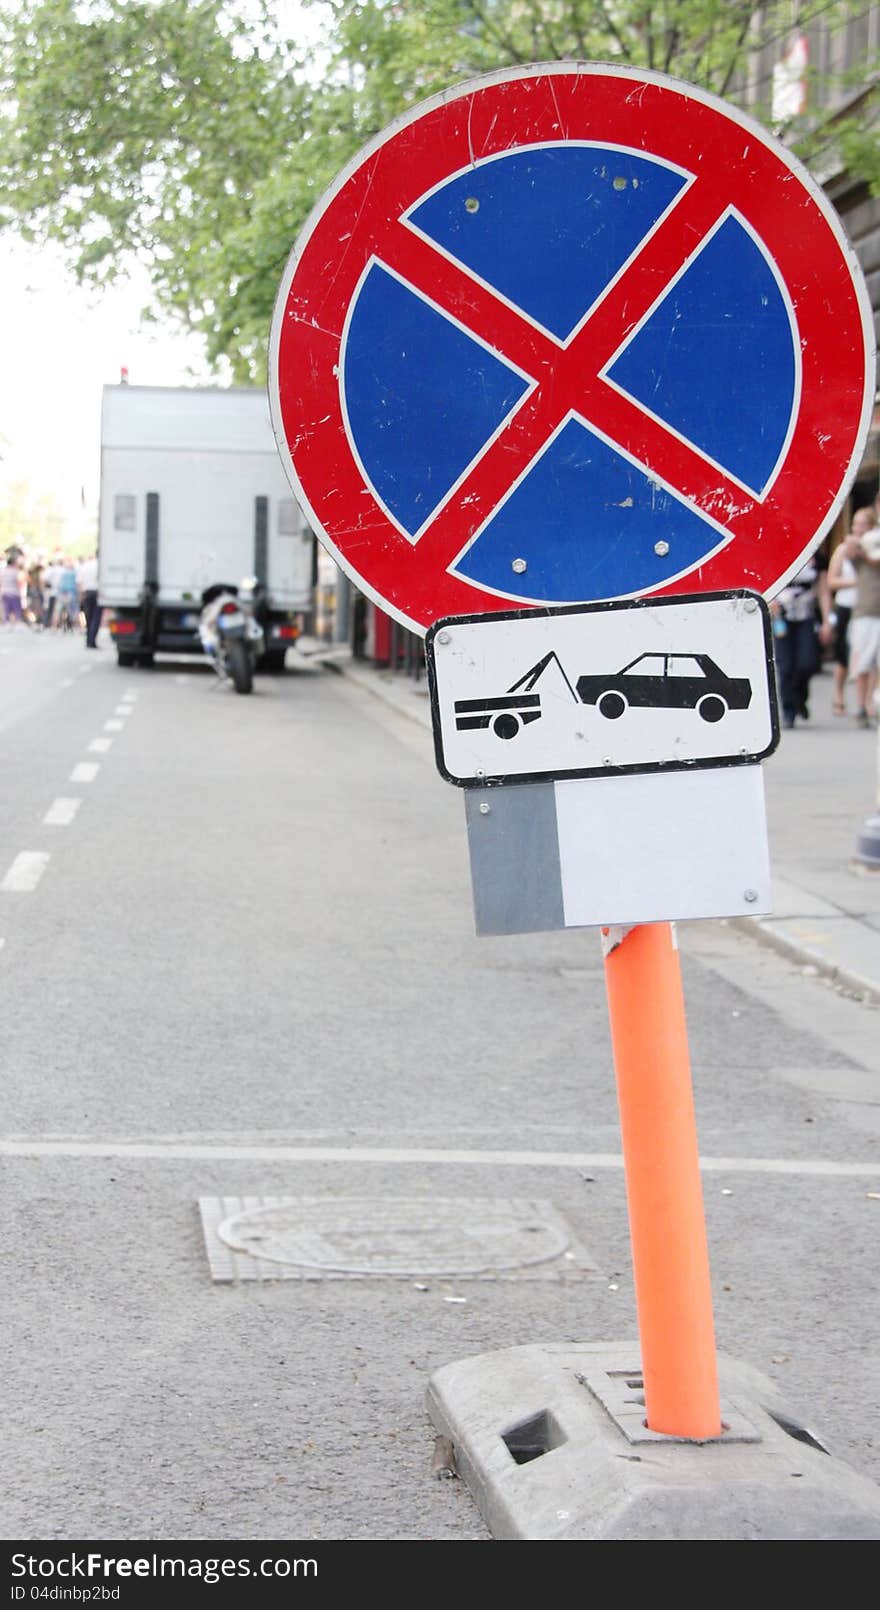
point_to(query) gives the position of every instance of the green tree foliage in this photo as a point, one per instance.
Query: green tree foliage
(29, 518)
(139, 130)
(195, 135)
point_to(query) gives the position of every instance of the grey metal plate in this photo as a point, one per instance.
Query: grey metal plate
(358, 1238)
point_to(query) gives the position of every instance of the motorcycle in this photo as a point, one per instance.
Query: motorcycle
(230, 634)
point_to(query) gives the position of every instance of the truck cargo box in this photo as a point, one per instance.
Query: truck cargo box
(193, 495)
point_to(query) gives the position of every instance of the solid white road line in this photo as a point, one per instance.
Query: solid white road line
(25, 872)
(113, 726)
(99, 746)
(85, 772)
(61, 812)
(193, 1151)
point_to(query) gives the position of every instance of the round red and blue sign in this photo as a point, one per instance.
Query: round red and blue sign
(569, 333)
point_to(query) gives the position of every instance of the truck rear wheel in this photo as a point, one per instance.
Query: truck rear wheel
(124, 659)
(240, 667)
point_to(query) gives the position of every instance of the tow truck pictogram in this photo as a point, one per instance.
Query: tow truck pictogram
(511, 711)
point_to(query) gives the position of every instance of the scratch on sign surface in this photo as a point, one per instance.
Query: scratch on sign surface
(556, 105)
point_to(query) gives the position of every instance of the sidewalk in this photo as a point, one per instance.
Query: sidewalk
(821, 786)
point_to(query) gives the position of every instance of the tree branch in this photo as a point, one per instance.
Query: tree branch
(733, 64)
(501, 37)
(609, 23)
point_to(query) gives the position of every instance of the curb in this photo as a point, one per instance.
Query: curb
(794, 950)
(365, 679)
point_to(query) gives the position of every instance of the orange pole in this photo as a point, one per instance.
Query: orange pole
(663, 1187)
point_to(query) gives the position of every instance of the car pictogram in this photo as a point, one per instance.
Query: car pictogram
(667, 682)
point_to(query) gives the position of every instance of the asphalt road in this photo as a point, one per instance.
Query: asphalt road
(243, 965)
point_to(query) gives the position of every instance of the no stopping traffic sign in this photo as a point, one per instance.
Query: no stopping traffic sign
(569, 333)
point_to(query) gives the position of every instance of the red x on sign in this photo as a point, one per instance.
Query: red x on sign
(570, 333)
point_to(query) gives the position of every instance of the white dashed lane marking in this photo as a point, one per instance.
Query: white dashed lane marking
(61, 812)
(25, 872)
(85, 772)
(122, 710)
(113, 726)
(99, 746)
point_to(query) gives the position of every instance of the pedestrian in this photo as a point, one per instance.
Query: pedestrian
(801, 625)
(35, 594)
(842, 587)
(87, 582)
(10, 590)
(50, 590)
(864, 629)
(67, 598)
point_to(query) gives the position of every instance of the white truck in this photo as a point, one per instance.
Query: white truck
(193, 496)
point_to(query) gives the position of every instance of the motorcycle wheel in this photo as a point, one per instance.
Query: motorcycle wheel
(240, 668)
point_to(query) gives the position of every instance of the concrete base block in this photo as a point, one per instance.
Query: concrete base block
(551, 1442)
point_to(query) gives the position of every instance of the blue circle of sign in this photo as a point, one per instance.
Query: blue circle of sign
(548, 228)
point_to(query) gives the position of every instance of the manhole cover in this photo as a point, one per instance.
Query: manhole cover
(357, 1237)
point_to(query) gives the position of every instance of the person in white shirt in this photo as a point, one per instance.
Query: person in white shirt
(87, 587)
(842, 585)
(50, 588)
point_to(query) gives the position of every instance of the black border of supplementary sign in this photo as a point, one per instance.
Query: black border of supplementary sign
(593, 609)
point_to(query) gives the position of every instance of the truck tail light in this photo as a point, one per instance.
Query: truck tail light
(123, 628)
(290, 633)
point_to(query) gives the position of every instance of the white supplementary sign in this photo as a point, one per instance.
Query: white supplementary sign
(603, 689)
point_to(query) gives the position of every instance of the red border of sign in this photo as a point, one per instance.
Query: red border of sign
(359, 217)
